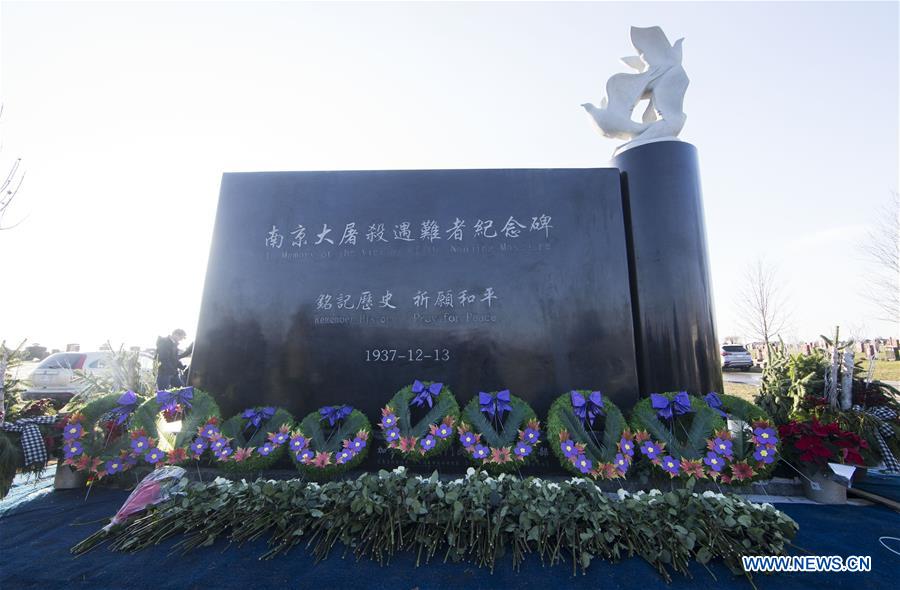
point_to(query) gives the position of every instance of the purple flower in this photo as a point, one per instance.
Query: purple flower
(480, 452)
(670, 464)
(392, 434)
(467, 439)
(280, 438)
(522, 449)
(140, 444)
(765, 436)
(154, 456)
(344, 456)
(298, 443)
(388, 421)
(650, 449)
(73, 431)
(198, 446)
(722, 447)
(130, 460)
(113, 466)
(714, 462)
(622, 462)
(444, 430)
(266, 449)
(73, 449)
(764, 454)
(357, 445)
(568, 448)
(531, 435)
(219, 444)
(427, 442)
(583, 464)
(209, 431)
(305, 456)
(626, 446)
(224, 453)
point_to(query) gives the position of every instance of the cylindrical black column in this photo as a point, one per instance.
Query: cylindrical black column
(671, 292)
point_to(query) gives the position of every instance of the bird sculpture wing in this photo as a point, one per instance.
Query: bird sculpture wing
(635, 62)
(653, 45)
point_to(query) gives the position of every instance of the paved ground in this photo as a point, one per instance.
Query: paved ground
(742, 377)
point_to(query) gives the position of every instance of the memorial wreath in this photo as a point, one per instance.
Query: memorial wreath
(165, 426)
(750, 443)
(673, 430)
(255, 439)
(499, 431)
(341, 444)
(419, 421)
(95, 439)
(589, 435)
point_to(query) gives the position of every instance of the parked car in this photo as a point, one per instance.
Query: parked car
(55, 377)
(735, 356)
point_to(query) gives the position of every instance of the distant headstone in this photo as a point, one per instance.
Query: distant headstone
(328, 287)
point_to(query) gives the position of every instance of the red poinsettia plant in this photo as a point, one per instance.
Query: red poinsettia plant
(815, 444)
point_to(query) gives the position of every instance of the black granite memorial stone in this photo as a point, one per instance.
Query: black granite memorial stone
(672, 297)
(343, 287)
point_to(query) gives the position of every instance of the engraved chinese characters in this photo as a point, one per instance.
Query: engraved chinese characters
(344, 286)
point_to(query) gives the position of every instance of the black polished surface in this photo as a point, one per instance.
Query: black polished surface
(560, 317)
(676, 342)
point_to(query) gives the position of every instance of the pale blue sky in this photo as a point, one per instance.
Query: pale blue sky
(127, 114)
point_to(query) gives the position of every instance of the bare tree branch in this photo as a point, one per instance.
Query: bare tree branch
(761, 304)
(9, 187)
(882, 250)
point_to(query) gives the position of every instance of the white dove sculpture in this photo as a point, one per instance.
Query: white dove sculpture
(659, 78)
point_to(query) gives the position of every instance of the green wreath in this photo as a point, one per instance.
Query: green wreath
(598, 448)
(432, 434)
(255, 448)
(673, 430)
(754, 445)
(95, 439)
(155, 429)
(330, 441)
(499, 431)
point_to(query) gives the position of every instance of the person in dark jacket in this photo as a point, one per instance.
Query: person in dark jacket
(170, 365)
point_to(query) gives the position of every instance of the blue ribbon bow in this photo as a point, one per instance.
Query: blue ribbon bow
(335, 414)
(666, 409)
(255, 418)
(715, 402)
(587, 409)
(495, 404)
(169, 400)
(425, 394)
(127, 404)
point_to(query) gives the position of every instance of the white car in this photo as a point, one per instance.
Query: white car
(735, 356)
(55, 377)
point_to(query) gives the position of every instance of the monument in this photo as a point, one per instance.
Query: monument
(327, 287)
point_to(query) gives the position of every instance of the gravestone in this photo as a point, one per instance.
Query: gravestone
(343, 287)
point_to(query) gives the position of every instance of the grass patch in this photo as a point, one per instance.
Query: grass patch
(741, 390)
(884, 370)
